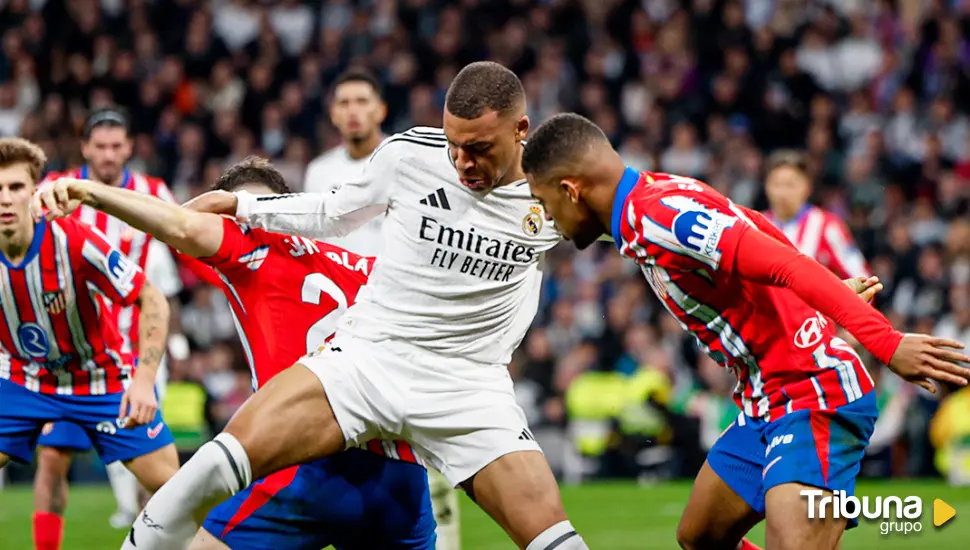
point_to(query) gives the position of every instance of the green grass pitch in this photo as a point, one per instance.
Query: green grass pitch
(609, 516)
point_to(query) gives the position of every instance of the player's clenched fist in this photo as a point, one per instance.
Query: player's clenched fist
(59, 198)
(921, 358)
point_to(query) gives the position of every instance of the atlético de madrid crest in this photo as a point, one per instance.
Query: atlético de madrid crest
(55, 302)
(532, 222)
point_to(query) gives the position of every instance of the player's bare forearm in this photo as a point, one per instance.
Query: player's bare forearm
(152, 330)
(197, 234)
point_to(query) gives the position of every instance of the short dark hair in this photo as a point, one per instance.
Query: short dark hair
(252, 170)
(356, 75)
(484, 86)
(561, 139)
(110, 117)
(787, 157)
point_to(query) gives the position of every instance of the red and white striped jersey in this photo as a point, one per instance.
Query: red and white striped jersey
(131, 242)
(822, 235)
(785, 355)
(286, 294)
(57, 336)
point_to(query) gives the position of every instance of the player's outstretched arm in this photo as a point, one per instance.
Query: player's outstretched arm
(198, 234)
(138, 404)
(316, 215)
(914, 357)
(312, 215)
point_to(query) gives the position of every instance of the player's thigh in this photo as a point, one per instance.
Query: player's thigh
(471, 430)
(287, 422)
(788, 526)
(818, 450)
(329, 400)
(727, 498)
(716, 517)
(155, 468)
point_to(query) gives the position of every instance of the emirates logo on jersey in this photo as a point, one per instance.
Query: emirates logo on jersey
(55, 302)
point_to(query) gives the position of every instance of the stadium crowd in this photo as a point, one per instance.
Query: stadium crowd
(876, 93)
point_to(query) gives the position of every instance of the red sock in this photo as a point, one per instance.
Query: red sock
(48, 531)
(747, 545)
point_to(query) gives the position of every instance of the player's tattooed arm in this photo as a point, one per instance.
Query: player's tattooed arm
(198, 234)
(139, 404)
(153, 323)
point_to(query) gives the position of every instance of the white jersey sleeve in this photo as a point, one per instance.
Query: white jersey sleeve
(324, 215)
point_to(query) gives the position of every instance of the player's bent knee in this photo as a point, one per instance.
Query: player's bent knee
(53, 460)
(687, 536)
(689, 539)
(204, 540)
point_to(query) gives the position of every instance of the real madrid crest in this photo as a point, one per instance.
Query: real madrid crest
(532, 222)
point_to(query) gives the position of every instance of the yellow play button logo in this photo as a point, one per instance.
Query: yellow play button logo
(942, 512)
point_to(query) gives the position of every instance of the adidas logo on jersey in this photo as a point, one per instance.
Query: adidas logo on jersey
(438, 199)
(255, 258)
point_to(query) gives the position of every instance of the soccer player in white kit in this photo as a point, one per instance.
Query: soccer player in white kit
(423, 353)
(358, 110)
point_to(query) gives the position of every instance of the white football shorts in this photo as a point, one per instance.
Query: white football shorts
(458, 414)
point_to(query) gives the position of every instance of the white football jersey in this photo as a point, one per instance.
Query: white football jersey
(459, 272)
(324, 175)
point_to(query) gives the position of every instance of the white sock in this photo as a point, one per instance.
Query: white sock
(444, 502)
(125, 487)
(218, 470)
(560, 536)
